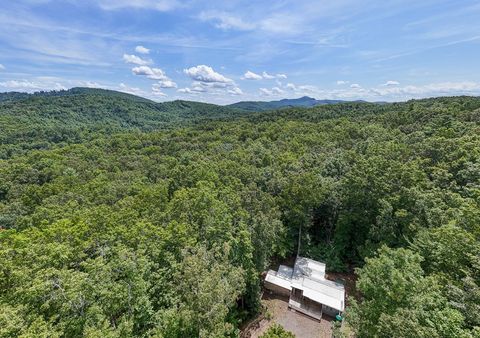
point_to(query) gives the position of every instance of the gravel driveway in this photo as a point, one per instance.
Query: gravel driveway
(300, 325)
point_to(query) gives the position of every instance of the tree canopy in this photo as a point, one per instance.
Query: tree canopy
(136, 229)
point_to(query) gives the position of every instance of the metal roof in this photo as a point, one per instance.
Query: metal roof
(306, 267)
(274, 278)
(309, 276)
(285, 271)
(322, 291)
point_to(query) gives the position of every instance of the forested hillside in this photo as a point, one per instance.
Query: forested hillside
(304, 101)
(47, 119)
(151, 233)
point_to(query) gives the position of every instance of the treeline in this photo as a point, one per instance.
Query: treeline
(164, 234)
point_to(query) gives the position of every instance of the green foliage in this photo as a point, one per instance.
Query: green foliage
(399, 300)
(47, 119)
(448, 250)
(112, 228)
(277, 331)
(453, 255)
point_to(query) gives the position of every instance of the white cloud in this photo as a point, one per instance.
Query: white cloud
(307, 89)
(166, 84)
(2, 67)
(206, 87)
(195, 89)
(142, 50)
(235, 91)
(291, 86)
(271, 92)
(342, 82)
(18, 84)
(203, 73)
(252, 76)
(378, 93)
(217, 85)
(157, 90)
(265, 91)
(270, 76)
(213, 88)
(151, 73)
(357, 92)
(388, 93)
(135, 60)
(159, 5)
(391, 83)
(131, 90)
(185, 90)
(90, 84)
(225, 20)
(32, 85)
(155, 74)
(47, 83)
(433, 89)
(267, 76)
(273, 19)
(301, 89)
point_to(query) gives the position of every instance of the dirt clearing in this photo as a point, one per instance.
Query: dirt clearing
(300, 325)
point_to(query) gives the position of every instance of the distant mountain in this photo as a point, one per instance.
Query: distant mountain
(304, 101)
(76, 91)
(45, 119)
(70, 116)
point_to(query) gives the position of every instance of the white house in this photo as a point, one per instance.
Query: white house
(308, 290)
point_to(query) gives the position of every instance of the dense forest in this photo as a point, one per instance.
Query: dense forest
(120, 217)
(304, 101)
(45, 119)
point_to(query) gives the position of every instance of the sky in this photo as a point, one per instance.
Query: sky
(234, 50)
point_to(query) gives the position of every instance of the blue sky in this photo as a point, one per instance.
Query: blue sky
(227, 51)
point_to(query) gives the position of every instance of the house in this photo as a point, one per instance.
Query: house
(308, 290)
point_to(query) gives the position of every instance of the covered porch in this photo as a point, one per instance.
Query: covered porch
(302, 304)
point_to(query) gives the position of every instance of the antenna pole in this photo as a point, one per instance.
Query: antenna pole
(299, 239)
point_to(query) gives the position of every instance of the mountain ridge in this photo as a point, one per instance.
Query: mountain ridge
(36, 121)
(304, 101)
